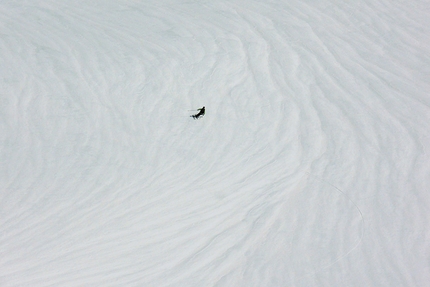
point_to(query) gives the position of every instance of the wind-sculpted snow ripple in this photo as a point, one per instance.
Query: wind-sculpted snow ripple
(308, 169)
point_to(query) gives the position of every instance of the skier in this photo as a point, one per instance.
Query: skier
(199, 114)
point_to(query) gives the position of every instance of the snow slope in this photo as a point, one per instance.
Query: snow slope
(310, 168)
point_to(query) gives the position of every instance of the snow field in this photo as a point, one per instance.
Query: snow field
(310, 167)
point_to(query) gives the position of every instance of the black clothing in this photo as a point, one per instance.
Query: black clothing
(199, 114)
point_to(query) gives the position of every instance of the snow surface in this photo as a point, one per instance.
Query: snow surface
(310, 168)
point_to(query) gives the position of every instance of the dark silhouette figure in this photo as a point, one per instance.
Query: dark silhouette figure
(199, 114)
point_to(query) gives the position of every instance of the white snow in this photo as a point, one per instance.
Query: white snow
(311, 166)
